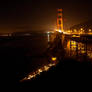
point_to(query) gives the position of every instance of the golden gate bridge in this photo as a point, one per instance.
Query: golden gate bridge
(73, 32)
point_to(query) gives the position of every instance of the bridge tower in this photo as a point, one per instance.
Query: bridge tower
(59, 21)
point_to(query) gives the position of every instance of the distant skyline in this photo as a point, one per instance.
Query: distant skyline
(42, 14)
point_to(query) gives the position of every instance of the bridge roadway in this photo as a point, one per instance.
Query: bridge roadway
(80, 35)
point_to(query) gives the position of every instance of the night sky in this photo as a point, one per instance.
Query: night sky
(42, 14)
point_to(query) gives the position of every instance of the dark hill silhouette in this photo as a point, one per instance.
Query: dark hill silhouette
(85, 25)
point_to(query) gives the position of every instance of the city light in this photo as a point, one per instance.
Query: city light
(81, 29)
(54, 58)
(75, 36)
(39, 71)
(60, 31)
(90, 30)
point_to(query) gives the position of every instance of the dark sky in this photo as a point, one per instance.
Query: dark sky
(41, 14)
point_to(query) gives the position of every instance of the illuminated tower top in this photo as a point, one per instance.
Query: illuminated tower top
(59, 21)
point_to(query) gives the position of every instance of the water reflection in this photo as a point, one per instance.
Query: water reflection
(79, 50)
